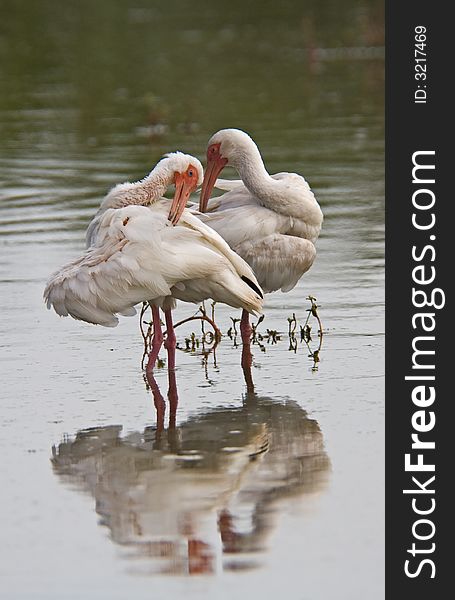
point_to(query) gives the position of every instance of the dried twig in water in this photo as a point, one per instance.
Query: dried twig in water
(234, 322)
(202, 317)
(305, 332)
(212, 338)
(272, 336)
(314, 312)
(254, 327)
(292, 324)
(146, 335)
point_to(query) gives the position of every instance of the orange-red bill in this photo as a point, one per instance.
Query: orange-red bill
(215, 164)
(184, 186)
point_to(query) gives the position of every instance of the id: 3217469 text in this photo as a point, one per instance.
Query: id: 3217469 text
(420, 64)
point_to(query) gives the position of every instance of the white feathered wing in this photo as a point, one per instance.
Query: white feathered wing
(139, 256)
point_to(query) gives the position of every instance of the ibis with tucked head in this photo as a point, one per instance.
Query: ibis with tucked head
(271, 221)
(142, 249)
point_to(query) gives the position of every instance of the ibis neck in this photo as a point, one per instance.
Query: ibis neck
(255, 176)
(154, 186)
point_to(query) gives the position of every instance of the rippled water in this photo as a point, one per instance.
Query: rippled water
(256, 489)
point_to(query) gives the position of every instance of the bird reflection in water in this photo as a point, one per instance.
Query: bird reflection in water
(204, 496)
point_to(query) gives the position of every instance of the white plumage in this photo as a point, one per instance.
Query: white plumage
(148, 190)
(140, 256)
(271, 221)
(142, 251)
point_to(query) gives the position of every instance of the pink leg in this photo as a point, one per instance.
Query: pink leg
(170, 342)
(245, 327)
(247, 362)
(156, 341)
(158, 401)
(173, 398)
(247, 357)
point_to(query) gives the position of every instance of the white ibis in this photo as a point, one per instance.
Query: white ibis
(182, 170)
(141, 251)
(272, 221)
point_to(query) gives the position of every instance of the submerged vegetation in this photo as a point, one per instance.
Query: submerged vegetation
(307, 333)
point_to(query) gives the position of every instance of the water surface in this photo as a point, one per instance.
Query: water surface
(244, 491)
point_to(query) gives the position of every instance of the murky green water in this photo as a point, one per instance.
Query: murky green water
(250, 492)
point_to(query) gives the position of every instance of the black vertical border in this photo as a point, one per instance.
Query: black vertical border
(411, 127)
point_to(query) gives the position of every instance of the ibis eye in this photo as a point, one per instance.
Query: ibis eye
(190, 173)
